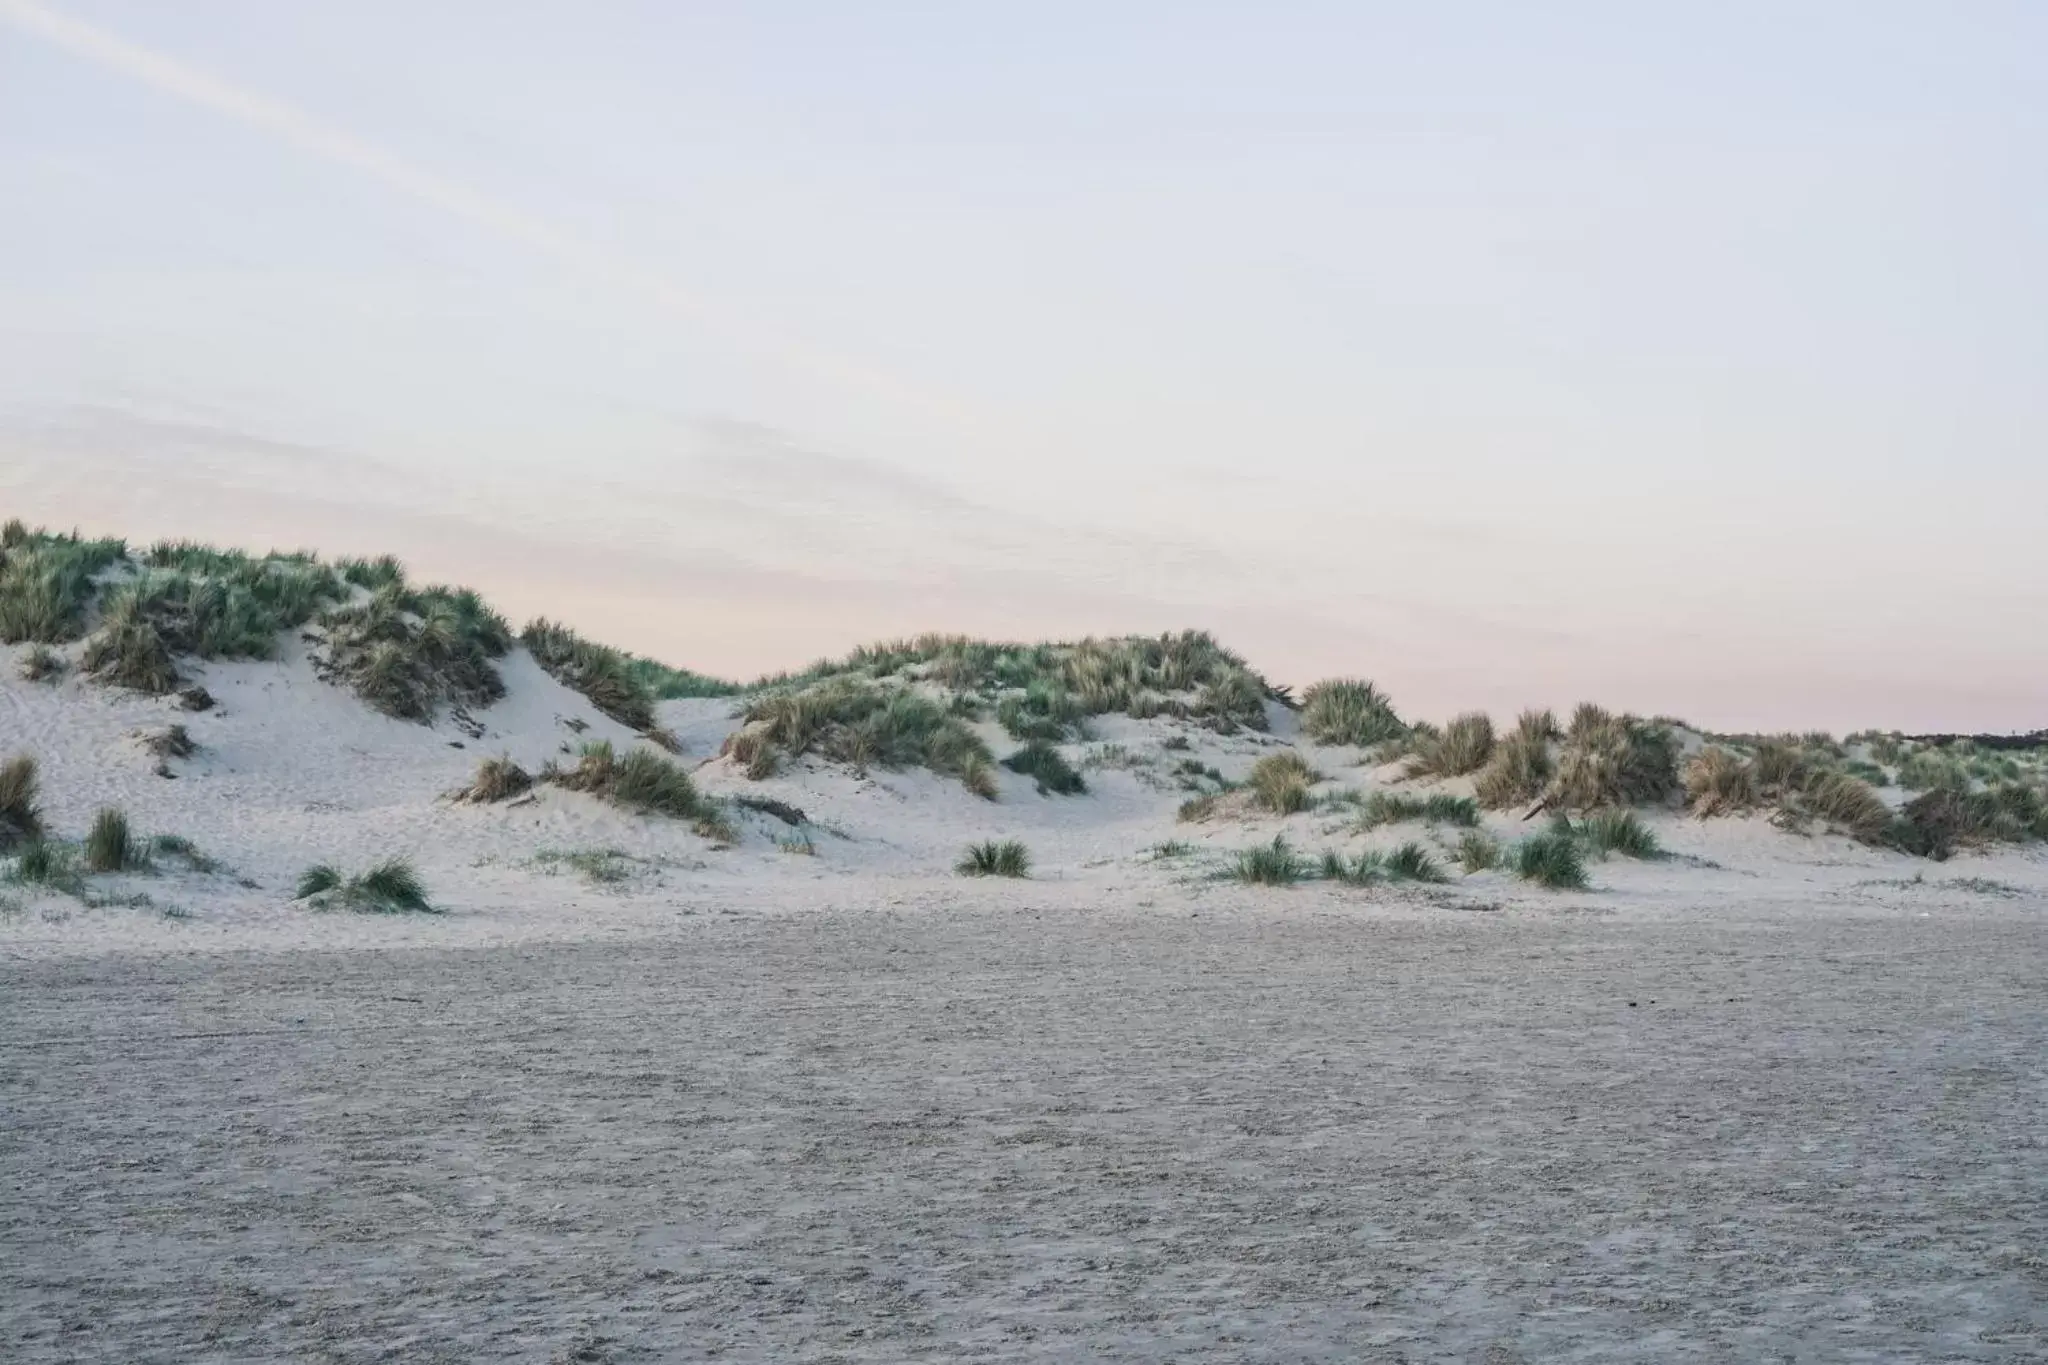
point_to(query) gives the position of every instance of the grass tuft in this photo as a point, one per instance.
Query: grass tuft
(1009, 858)
(1612, 831)
(1461, 746)
(1613, 761)
(111, 847)
(1551, 859)
(1348, 711)
(1439, 808)
(1281, 782)
(391, 887)
(1521, 767)
(21, 818)
(47, 863)
(497, 779)
(641, 781)
(407, 651)
(605, 675)
(1045, 764)
(1478, 851)
(1414, 863)
(1273, 864)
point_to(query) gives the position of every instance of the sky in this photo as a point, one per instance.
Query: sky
(1687, 358)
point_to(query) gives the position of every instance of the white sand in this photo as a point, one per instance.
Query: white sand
(851, 1107)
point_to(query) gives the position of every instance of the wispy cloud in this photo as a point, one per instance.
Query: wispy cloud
(294, 127)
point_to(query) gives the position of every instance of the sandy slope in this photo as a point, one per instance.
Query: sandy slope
(293, 771)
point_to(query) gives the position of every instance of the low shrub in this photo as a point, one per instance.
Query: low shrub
(1008, 858)
(1551, 859)
(1045, 764)
(1348, 711)
(21, 818)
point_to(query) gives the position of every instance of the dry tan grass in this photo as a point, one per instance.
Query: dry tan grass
(1461, 747)
(497, 779)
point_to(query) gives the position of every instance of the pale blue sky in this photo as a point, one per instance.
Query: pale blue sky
(1688, 357)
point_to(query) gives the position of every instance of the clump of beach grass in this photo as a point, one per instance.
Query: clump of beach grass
(1520, 767)
(1938, 821)
(110, 846)
(49, 864)
(1281, 782)
(1438, 808)
(1412, 862)
(606, 676)
(1348, 711)
(1478, 851)
(391, 887)
(1614, 831)
(1550, 858)
(1274, 864)
(643, 782)
(48, 583)
(1462, 746)
(407, 651)
(1044, 764)
(1932, 770)
(865, 724)
(497, 779)
(1611, 760)
(21, 817)
(1848, 803)
(993, 858)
